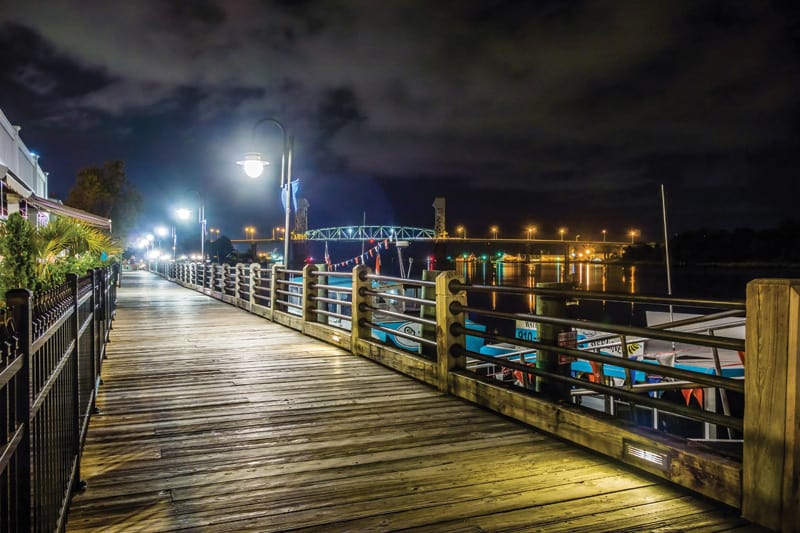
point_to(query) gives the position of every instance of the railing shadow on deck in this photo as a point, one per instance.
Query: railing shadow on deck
(359, 311)
(53, 346)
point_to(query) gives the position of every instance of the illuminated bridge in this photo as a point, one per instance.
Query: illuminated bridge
(408, 233)
(358, 233)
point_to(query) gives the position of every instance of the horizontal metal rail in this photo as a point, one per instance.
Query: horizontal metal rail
(399, 297)
(332, 288)
(708, 380)
(289, 283)
(456, 285)
(404, 281)
(331, 274)
(333, 301)
(639, 399)
(401, 316)
(674, 336)
(332, 314)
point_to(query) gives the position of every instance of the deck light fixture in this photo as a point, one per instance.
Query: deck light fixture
(655, 458)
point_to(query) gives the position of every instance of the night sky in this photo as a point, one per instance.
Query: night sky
(548, 113)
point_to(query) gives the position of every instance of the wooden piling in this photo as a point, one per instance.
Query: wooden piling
(548, 334)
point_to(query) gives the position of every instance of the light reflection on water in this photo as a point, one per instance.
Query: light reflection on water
(611, 278)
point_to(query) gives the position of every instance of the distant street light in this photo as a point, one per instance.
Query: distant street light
(494, 231)
(253, 165)
(604, 235)
(250, 231)
(215, 232)
(461, 232)
(634, 233)
(562, 231)
(531, 230)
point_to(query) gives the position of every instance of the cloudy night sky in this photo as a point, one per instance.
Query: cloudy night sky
(554, 113)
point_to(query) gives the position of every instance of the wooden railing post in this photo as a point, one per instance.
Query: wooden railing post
(771, 460)
(306, 302)
(359, 332)
(273, 291)
(19, 300)
(251, 290)
(429, 312)
(445, 319)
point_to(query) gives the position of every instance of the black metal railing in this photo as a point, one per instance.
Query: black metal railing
(52, 348)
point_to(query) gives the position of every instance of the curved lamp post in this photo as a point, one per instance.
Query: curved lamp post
(253, 165)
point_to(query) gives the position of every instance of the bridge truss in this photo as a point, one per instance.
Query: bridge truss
(358, 233)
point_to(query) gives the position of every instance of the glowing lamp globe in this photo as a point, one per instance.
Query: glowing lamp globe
(252, 164)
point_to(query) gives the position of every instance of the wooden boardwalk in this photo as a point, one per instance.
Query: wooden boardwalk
(214, 419)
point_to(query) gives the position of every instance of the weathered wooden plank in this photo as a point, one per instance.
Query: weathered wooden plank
(771, 477)
(214, 419)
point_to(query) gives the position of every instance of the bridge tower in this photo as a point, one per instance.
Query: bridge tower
(439, 227)
(439, 232)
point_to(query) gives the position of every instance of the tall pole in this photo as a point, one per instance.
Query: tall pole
(286, 180)
(202, 216)
(288, 206)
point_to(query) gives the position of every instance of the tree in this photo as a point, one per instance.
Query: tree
(219, 249)
(107, 192)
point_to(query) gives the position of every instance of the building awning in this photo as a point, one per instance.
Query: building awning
(14, 183)
(57, 208)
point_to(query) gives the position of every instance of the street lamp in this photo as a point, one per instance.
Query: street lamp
(562, 231)
(250, 231)
(604, 235)
(494, 231)
(253, 165)
(633, 234)
(531, 230)
(461, 232)
(215, 232)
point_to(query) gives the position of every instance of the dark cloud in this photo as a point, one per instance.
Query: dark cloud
(583, 106)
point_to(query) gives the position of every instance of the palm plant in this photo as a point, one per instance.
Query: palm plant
(41, 258)
(65, 245)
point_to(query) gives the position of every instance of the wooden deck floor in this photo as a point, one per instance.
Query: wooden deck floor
(214, 419)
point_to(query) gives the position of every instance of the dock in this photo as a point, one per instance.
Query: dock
(214, 419)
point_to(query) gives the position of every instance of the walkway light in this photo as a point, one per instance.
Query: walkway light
(253, 165)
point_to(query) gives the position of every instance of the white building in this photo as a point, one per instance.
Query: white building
(23, 183)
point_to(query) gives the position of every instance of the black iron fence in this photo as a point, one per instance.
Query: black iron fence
(53, 345)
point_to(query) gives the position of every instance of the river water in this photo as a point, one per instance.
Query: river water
(719, 283)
